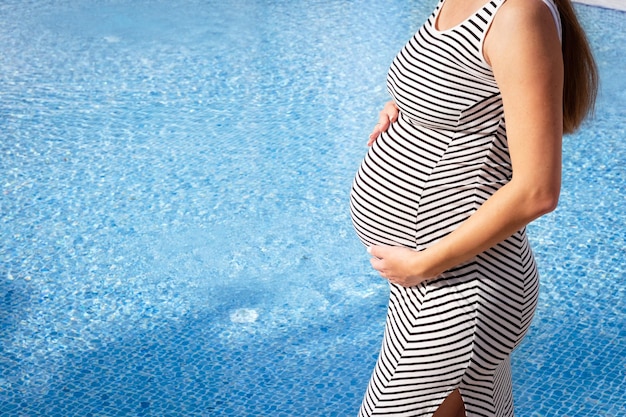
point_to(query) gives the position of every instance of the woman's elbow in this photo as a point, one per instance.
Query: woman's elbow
(544, 201)
(536, 195)
(549, 203)
(534, 198)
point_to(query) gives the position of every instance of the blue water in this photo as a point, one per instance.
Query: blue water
(174, 230)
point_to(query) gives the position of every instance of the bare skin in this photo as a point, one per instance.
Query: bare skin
(452, 406)
(524, 51)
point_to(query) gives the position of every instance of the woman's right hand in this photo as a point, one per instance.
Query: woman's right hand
(387, 115)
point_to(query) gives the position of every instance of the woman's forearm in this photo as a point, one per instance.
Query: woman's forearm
(507, 211)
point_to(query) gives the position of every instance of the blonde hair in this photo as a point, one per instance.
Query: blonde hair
(580, 86)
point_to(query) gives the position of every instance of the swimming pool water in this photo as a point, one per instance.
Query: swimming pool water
(174, 230)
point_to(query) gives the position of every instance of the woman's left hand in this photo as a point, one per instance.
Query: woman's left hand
(398, 265)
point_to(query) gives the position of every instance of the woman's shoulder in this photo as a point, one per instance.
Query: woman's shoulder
(526, 15)
(524, 32)
(525, 21)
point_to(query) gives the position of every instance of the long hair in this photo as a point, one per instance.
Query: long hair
(580, 86)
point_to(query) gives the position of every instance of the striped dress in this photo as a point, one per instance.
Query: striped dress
(446, 154)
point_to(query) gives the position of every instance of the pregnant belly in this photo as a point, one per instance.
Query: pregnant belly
(416, 185)
(384, 199)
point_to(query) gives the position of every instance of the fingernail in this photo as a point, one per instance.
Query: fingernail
(369, 250)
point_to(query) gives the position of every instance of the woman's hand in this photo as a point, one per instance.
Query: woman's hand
(387, 115)
(399, 265)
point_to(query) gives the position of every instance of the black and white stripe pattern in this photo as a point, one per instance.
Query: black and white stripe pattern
(446, 155)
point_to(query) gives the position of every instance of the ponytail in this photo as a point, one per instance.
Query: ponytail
(580, 71)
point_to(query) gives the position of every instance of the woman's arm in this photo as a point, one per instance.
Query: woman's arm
(524, 51)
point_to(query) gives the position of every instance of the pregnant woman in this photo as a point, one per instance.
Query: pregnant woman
(466, 154)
